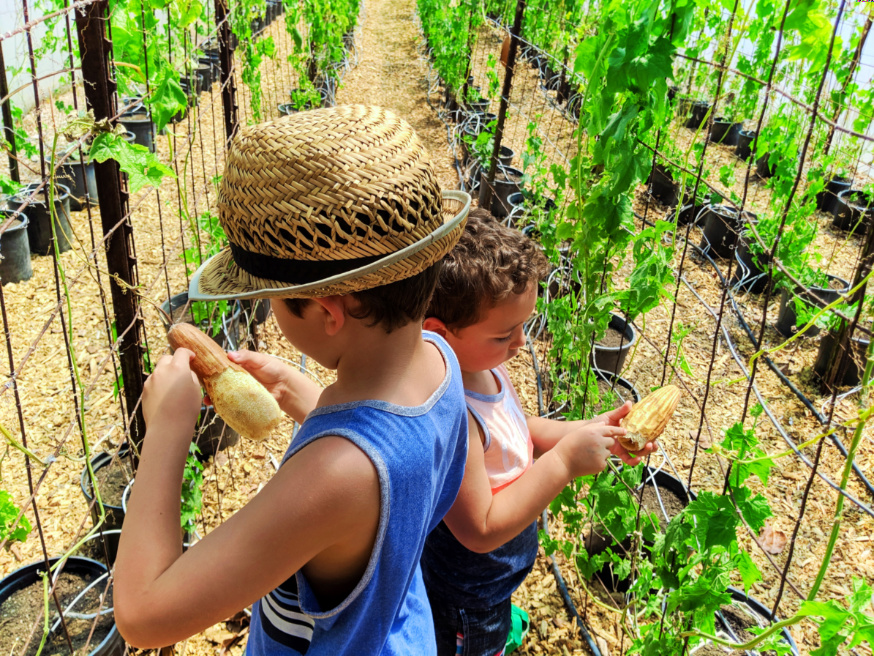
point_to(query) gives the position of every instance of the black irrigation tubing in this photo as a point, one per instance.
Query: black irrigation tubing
(777, 424)
(556, 572)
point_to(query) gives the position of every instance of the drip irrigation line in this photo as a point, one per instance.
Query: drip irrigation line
(776, 423)
(566, 597)
(781, 376)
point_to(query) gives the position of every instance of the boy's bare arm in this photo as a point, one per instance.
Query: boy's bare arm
(324, 500)
(482, 522)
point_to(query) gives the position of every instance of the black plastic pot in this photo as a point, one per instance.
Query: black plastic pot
(204, 77)
(748, 274)
(690, 213)
(662, 185)
(853, 210)
(142, 127)
(830, 350)
(114, 514)
(508, 181)
(215, 435)
(765, 168)
(661, 480)
(14, 249)
(827, 199)
(479, 106)
(211, 67)
(721, 227)
(611, 359)
(697, 114)
(39, 218)
(744, 148)
(596, 543)
(112, 644)
(627, 391)
(80, 180)
(684, 105)
(787, 320)
(228, 336)
(758, 609)
(725, 132)
(505, 157)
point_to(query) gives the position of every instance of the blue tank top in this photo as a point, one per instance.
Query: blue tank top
(419, 454)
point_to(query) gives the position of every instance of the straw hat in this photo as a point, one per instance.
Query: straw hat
(329, 201)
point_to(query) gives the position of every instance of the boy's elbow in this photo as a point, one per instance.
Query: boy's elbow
(136, 626)
(479, 541)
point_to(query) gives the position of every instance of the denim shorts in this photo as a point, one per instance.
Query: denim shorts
(472, 632)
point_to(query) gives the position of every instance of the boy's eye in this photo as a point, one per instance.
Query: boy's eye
(504, 339)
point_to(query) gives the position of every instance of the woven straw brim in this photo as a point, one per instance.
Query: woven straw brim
(219, 278)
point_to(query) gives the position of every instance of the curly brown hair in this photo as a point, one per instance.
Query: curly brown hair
(489, 263)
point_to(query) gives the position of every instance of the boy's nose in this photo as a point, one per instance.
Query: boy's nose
(518, 338)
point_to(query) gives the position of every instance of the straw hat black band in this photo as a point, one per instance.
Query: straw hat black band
(295, 272)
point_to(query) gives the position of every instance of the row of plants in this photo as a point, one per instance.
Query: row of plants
(638, 79)
(155, 50)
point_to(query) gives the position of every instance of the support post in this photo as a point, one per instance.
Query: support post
(100, 89)
(226, 56)
(8, 126)
(487, 186)
(845, 353)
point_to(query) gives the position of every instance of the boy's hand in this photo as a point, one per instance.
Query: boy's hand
(613, 417)
(587, 449)
(268, 371)
(172, 393)
(630, 458)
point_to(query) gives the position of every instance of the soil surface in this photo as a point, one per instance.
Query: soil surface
(112, 479)
(23, 611)
(672, 503)
(613, 339)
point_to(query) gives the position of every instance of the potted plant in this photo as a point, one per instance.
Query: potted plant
(15, 263)
(797, 304)
(830, 350)
(827, 199)
(42, 228)
(722, 224)
(112, 472)
(853, 210)
(610, 351)
(82, 587)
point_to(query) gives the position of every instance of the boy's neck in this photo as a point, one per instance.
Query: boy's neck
(398, 367)
(481, 382)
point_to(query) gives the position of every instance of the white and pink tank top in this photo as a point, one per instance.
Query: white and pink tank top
(508, 448)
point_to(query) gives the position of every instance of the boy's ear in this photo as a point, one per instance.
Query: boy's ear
(435, 326)
(334, 313)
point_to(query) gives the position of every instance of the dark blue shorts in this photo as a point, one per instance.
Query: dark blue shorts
(471, 632)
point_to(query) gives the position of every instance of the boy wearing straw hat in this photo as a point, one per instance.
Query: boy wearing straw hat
(486, 546)
(336, 212)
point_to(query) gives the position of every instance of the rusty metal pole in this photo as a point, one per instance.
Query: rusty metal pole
(100, 95)
(8, 126)
(486, 187)
(226, 56)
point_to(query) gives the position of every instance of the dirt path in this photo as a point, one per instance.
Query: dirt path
(390, 74)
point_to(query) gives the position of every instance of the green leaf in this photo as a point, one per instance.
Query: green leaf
(716, 520)
(167, 98)
(749, 572)
(142, 167)
(9, 530)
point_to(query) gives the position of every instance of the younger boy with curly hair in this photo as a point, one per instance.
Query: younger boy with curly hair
(516, 464)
